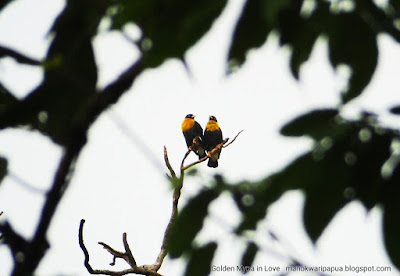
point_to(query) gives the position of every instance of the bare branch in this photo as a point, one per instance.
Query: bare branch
(127, 255)
(233, 140)
(131, 260)
(142, 270)
(184, 168)
(115, 253)
(171, 170)
(184, 158)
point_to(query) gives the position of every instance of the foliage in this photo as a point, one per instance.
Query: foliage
(352, 159)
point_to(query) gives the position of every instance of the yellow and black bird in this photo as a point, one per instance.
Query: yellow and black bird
(212, 137)
(192, 130)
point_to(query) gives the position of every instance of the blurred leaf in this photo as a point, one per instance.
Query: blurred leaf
(169, 27)
(324, 193)
(252, 18)
(200, 260)
(391, 230)
(3, 168)
(395, 110)
(58, 106)
(345, 167)
(316, 124)
(302, 47)
(6, 99)
(370, 158)
(192, 172)
(301, 32)
(4, 3)
(391, 218)
(261, 194)
(356, 47)
(249, 255)
(189, 222)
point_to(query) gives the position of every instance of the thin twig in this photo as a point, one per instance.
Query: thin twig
(171, 170)
(184, 168)
(131, 259)
(184, 158)
(233, 140)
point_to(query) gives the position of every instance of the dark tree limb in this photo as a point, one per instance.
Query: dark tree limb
(7, 52)
(31, 252)
(112, 92)
(37, 247)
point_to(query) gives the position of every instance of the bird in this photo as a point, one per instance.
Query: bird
(212, 138)
(192, 130)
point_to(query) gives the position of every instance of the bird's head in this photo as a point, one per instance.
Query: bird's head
(212, 118)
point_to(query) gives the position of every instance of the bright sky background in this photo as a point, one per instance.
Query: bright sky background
(120, 185)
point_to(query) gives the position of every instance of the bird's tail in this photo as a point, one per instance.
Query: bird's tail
(201, 153)
(213, 163)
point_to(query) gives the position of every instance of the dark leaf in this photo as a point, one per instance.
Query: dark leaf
(6, 99)
(324, 198)
(189, 222)
(4, 3)
(316, 124)
(391, 230)
(58, 107)
(301, 32)
(264, 193)
(289, 23)
(356, 47)
(168, 28)
(200, 260)
(395, 110)
(251, 30)
(3, 168)
(370, 158)
(249, 255)
(391, 218)
(302, 48)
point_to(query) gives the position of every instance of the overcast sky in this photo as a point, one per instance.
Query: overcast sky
(120, 185)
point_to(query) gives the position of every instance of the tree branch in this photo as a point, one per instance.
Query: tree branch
(233, 140)
(4, 51)
(112, 92)
(38, 246)
(127, 255)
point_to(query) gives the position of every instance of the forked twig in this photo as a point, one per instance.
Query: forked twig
(127, 256)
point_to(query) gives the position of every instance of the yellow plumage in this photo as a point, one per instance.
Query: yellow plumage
(212, 125)
(187, 124)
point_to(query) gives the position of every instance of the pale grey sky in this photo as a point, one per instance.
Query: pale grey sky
(116, 187)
